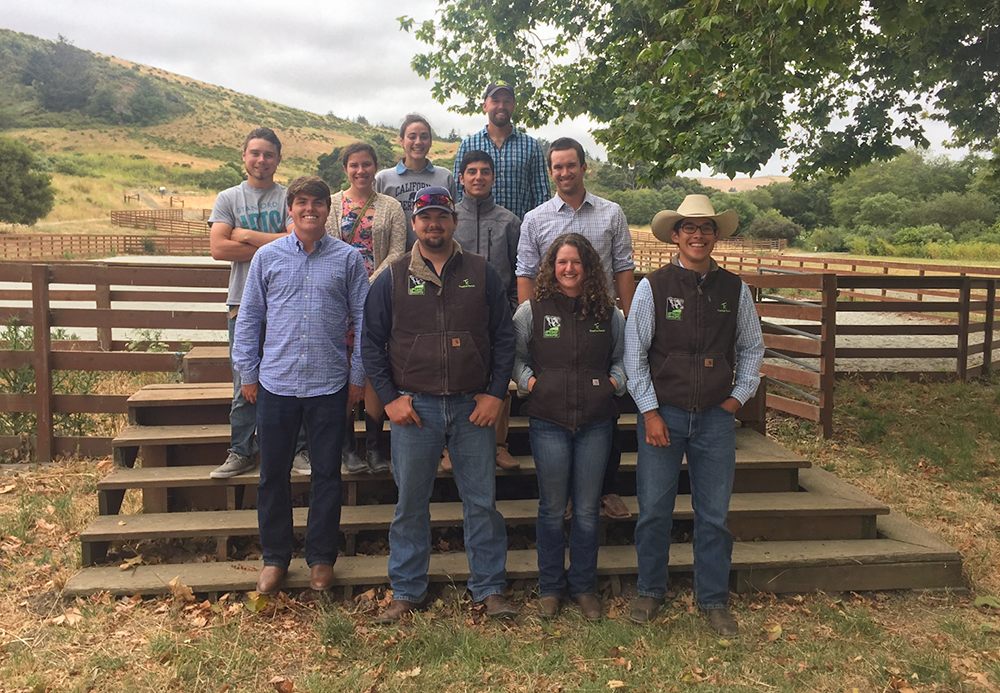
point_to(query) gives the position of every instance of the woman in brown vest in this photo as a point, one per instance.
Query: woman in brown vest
(569, 363)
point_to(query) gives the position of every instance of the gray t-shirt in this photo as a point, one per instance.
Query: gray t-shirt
(251, 208)
(404, 184)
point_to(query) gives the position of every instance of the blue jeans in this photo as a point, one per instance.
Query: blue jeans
(243, 414)
(709, 440)
(416, 452)
(279, 419)
(568, 465)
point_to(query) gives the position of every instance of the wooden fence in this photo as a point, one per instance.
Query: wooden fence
(645, 240)
(799, 364)
(101, 304)
(39, 246)
(799, 314)
(168, 220)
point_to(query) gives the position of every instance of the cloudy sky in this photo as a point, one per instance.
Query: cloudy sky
(344, 56)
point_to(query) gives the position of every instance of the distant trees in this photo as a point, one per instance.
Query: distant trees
(66, 78)
(26, 193)
(62, 76)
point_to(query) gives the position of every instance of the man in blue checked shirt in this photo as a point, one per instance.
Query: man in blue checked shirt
(693, 351)
(521, 182)
(305, 287)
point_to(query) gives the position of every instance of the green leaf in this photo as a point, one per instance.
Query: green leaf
(989, 601)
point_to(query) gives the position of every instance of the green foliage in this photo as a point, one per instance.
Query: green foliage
(26, 193)
(910, 176)
(931, 233)
(826, 239)
(331, 170)
(640, 205)
(686, 83)
(883, 209)
(771, 224)
(61, 75)
(226, 176)
(807, 203)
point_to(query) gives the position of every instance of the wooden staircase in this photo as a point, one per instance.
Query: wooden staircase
(798, 528)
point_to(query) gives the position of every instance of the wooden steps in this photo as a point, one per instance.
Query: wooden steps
(778, 566)
(798, 528)
(205, 364)
(777, 516)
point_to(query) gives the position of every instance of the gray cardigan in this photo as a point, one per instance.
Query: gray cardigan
(388, 228)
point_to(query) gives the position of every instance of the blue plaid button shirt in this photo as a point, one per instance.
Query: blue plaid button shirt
(306, 301)
(522, 183)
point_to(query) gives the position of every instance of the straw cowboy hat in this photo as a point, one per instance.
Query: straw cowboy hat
(694, 207)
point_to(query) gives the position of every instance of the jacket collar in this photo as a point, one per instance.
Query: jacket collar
(421, 270)
(474, 205)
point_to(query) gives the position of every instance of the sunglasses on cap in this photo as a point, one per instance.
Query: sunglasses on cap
(433, 202)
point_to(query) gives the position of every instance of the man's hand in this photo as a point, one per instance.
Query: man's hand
(531, 383)
(400, 411)
(355, 394)
(731, 405)
(487, 410)
(250, 393)
(657, 434)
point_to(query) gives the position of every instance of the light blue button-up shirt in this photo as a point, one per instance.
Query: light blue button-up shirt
(306, 301)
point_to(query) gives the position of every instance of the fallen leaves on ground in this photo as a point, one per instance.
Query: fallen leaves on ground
(181, 592)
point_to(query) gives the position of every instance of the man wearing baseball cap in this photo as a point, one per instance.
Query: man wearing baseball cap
(521, 181)
(438, 347)
(693, 351)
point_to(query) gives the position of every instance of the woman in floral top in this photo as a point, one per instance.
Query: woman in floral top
(375, 225)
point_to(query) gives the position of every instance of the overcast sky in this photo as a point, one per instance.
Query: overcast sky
(343, 56)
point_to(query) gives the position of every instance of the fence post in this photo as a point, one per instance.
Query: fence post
(102, 292)
(965, 296)
(42, 320)
(991, 306)
(828, 338)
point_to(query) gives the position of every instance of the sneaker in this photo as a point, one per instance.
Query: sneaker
(353, 464)
(234, 464)
(300, 463)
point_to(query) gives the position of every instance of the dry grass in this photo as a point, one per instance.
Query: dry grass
(928, 451)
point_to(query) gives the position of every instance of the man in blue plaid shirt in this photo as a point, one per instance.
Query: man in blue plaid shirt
(521, 181)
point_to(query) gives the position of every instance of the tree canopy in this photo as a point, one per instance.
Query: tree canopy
(26, 193)
(681, 83)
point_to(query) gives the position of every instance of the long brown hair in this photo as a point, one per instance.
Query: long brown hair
(595, 299)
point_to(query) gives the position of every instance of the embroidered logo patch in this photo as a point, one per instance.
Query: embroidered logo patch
(416, 286)
(466, 284)
(724, 308)
(675, 308)
(595, 382)
(597, 329)
(552, 323)
(456, 342)
(709, 363)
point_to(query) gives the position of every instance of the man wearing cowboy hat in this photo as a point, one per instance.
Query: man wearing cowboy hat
(693, 351)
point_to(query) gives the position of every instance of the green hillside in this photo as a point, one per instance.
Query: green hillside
(104, 125)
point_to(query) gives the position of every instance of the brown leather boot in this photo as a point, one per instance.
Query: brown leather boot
(270, 579)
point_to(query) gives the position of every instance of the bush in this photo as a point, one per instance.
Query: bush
(885, 209)
(826, 239)
(856, 245)
(922, 235)
(771, 224)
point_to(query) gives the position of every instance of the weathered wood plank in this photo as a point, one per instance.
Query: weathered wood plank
(830, 557)
(770, 506)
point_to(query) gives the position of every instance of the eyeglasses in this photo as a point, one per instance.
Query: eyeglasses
(440, 201)
(706, 229)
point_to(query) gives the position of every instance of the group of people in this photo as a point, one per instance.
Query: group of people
(421, 299)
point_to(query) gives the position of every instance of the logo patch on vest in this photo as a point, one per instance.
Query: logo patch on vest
(709, 363)
(552, 324)
(456, 342)
(466, 284)
(597, 329)
(724, 308)
(675, 308)
(416, 286)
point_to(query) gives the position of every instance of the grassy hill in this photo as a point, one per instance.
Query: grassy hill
(114, 125)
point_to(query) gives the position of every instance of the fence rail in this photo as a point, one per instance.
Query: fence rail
(65, 246)
(102, 295)
(169, 220)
